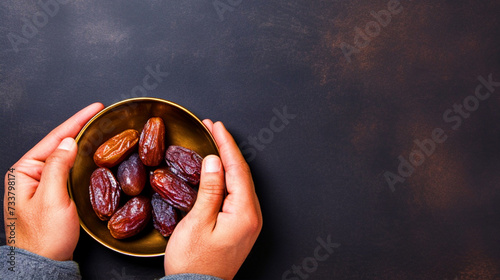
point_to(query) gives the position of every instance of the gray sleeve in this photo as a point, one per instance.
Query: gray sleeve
(17, 263)
(190, 277)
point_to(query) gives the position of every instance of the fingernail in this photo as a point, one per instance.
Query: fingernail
(212, 164)
(66, 144)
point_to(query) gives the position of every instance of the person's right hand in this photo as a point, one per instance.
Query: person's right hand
(217, 243)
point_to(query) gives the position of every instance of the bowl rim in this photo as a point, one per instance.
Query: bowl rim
(98, 115)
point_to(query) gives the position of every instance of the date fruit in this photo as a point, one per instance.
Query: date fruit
(173, 189)
(104, 193)
(116, 149)
(184, 163)
(132, 175)
(131, 219)
(165, 217)
(152, 142)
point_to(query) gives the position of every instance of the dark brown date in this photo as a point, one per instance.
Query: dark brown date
(173, 189)
(184, 163)
(152, 142)
(104, 192)
(165, 217)
(116, 149)
(131, 219)
(132, 175)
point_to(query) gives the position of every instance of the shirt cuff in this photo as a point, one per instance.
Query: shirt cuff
(190, 276)
(21, 264)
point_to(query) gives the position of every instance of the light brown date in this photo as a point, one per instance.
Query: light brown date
(184, 163)
(165, 217)
(131, 219)
(116, 148)
(132, 175)
(104, 192)
(152, 142)
(173, 189)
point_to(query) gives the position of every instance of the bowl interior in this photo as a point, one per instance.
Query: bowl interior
(182, 128)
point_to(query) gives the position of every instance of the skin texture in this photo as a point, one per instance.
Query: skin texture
(217, 243)
(47, 220)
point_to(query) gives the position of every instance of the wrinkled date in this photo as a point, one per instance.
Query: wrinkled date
(131, 219)
(184, 163)
(165, 217)
(132, 175)
(152, 142)
(173, 189)
(104, 193)
(133, 153)
(116, 149)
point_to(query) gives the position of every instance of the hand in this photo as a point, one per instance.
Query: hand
(47, 220)
(217, 243)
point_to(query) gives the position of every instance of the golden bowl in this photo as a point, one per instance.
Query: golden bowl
(182, 128)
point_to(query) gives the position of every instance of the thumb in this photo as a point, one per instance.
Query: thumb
(211, 191)
(56, 171)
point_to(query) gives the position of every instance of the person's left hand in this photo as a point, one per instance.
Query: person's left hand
(47, 220)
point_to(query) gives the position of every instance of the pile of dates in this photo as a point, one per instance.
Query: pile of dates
(174, 173)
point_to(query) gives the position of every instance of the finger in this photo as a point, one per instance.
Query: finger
(209, 124)
(55, 173)
(26, 176)
(210, 192)
(69, 128)
(238, 177)
(30, 167)
(19, 188)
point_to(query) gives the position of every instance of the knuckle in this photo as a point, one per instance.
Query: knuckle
(6, 177)
(245, 169)
(212, 189)
(239, 166)
(254, 223)
(57, 158)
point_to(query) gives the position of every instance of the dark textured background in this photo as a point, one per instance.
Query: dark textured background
(323, 174)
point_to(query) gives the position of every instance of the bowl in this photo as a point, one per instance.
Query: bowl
(182, 128)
